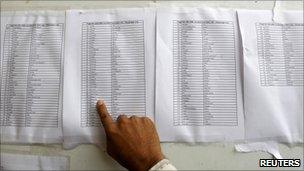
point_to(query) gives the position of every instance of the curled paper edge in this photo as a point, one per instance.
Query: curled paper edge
(270, 147)
(276, 12)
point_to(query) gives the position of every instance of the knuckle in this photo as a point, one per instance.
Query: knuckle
(123, 121)
(133, 117)
(138, 119)
(122, 118)
(146, 119)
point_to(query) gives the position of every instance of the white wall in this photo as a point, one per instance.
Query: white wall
(183, 156)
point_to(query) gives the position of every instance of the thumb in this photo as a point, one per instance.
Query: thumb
(104, 115)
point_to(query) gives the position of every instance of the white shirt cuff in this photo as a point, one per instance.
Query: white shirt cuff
(164, 164)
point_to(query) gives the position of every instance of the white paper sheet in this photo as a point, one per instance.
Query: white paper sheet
(33, 162)
(273, 75)
(31, 64)
(110, 55)
(198, 78)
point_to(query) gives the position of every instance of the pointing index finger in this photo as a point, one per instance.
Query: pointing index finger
(104, 115)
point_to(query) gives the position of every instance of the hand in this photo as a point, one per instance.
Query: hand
(133, 142)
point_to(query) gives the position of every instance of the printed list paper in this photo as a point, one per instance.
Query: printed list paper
(273, 75)
(198, 82)
(31, 65)
(113, 60)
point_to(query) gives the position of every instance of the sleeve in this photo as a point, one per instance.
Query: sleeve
(163, 165)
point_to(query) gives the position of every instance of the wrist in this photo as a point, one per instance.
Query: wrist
(146, 163)
(164, 164)
(154, 160)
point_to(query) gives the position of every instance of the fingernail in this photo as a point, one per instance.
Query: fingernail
(100, 102)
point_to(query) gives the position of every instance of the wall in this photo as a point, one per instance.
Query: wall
(184, 156)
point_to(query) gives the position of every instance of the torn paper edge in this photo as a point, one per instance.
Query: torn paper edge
(270, 147)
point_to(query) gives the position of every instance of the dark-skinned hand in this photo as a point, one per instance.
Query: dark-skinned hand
(133, 142)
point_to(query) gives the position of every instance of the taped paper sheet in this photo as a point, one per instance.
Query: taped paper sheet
(273, 75)
(110, 55)
(32, 162)
(198, 80)
(31, 76)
